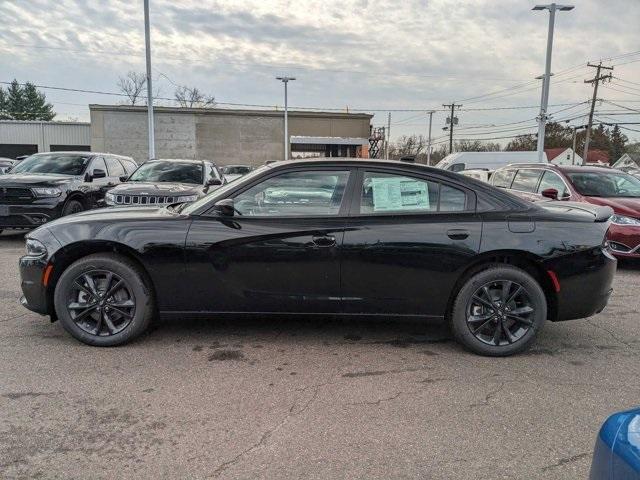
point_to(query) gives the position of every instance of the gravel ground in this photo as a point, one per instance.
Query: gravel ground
(307, 398)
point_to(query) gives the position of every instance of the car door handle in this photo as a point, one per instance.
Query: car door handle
(324, 240)
(457, 234)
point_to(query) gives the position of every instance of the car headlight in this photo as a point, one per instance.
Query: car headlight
(35, 248)
(622, 220)
(187, 198)
(110, 198)
(46, 192)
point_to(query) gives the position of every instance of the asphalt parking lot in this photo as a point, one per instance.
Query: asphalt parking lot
(307, 398)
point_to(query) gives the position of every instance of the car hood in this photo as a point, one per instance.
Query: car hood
(29, 179)
(113, 215)
(622, 206)
(160, 188)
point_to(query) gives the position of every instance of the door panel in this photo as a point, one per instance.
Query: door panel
(406, 264)
(264, 265)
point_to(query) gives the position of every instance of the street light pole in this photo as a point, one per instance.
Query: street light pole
(286, 80)
(147, 40)
(542, 118)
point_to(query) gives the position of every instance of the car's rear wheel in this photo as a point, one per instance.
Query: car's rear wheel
(499, 311)
(72, 206)
(104, 300)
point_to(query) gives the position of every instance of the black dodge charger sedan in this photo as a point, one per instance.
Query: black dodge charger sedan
(163, 182)
(350, 237)
(46, 186)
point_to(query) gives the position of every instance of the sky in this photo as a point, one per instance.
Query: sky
(406, 57)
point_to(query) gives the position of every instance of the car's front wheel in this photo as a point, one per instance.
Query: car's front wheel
(499, 311)
(104, 300)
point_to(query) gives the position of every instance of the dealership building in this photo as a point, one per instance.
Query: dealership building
(225, 136)
(228, 136)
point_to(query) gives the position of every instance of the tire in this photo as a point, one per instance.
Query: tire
(115, 319)
(481, 311)
(72, 206)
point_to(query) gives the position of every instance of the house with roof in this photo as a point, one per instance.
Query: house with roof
(597, 157)
(628, 160)
(563, 156)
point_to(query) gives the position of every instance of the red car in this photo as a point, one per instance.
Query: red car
(595, 185)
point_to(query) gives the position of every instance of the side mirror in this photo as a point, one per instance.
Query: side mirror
(225, 207)
(98, 173)
(124, 178)
(551, 193)
(214, 181)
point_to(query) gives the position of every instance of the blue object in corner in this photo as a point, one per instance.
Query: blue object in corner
(617, 452)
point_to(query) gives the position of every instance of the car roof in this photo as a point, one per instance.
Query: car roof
(182, 160)
(562, 168)
(85, 153)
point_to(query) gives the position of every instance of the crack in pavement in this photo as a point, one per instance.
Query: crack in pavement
(611, 334)
(385, 399)
(564, 461)
(487, 397)
(270, 432)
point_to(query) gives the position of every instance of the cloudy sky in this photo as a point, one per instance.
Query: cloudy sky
(371, 55)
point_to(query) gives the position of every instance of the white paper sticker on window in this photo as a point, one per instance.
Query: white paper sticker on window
(399, 193)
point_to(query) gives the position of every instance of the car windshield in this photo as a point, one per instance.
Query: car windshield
(605, 184)
(180, 172)
(53, 163)
(220, 192)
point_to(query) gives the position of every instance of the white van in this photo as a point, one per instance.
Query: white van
(459, 161)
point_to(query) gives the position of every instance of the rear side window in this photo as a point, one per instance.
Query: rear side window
(502, 178)
(115, 169)
(526, 180)
(128, 165)
(390, 193)
(457, 167)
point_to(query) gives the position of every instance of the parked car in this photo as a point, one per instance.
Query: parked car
(354, 237)
(233, 172)
(163, 182)
(617, 452)
(484, 175)
(456, 162)
(595, 185)
(6, 164)
(45, 186)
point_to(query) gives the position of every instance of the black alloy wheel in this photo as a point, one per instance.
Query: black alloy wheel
(500, 313)
(104, 299)
(101, 303)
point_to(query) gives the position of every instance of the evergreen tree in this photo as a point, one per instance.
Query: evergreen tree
(618, 142)
(24, 103)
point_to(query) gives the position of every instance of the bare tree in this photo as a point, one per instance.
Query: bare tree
(132, 86)
(192, 97)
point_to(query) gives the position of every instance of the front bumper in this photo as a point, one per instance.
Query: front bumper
(30, 215)
(34, 292)
(586, 280)
(624, 240)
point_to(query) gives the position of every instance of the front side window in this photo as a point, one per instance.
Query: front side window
(457, 167)
(53, 163)
(307, 193)
(391, 193)
(169, 171)
(552, 180)
(98, 164)
(526, 180)
(115, 169)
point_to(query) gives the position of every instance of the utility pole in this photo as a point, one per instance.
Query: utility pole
(286, 80)
(573, 155)
(542, 118)
(451, 121)
(430, 113)
(387, 136)
(147, 41)
(595, 81)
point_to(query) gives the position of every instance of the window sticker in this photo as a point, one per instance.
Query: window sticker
(398, 193)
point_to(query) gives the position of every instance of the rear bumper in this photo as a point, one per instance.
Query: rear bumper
(586, 280)
(31, 215)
